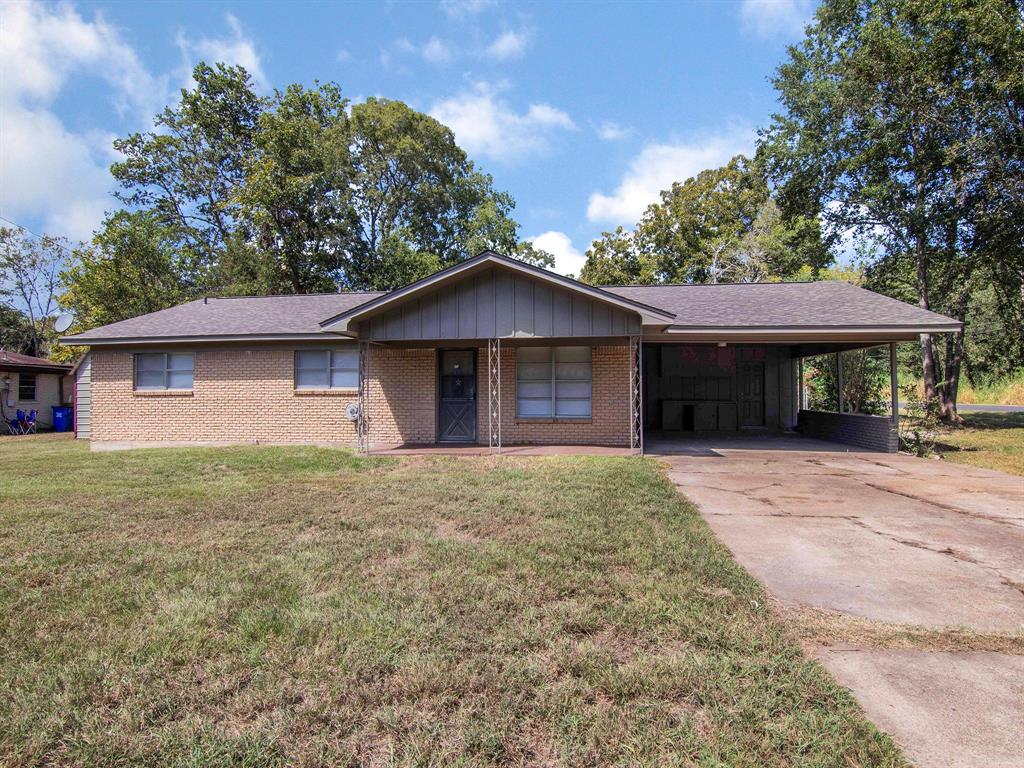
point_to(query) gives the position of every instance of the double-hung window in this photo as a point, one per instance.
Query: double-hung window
(553, 382)
(327, 369)
(163, 370)
(26, 387)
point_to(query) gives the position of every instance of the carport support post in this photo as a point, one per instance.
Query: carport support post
(894, 387)
(839, 382)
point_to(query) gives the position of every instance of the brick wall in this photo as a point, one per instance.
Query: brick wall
(237, 394)
(610, 408)
(876, 433)
(401, 399)
(248, 395)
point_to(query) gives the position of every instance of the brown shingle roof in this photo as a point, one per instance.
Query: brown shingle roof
(14, 360)
(230, 317)
(821, 304)
(753, 306)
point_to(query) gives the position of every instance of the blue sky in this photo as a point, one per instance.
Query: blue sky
(583, 111)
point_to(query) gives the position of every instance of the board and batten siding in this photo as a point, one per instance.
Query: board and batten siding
(83, 398)
(498, 303)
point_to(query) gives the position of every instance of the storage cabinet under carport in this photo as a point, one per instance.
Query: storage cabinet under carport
(704, 388)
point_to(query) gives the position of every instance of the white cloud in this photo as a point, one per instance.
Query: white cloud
(654, 170)
(41, 47)
(434, 51)
(343, 55)
(459, 8)
(235, 49)
(49, 173)
(609, 131)
(486, 126)
(771, 18)
(509, 45)
(568, 260)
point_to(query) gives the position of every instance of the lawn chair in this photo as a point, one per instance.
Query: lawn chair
(23, 424)
(13, 425)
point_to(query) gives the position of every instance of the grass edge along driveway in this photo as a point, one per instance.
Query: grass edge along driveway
(304, 606)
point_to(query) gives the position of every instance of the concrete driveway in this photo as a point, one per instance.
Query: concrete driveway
(889, 539)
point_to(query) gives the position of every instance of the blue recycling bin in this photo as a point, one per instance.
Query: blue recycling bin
(62, 421)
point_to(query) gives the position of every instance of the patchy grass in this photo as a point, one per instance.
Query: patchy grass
(818, 627)
(302, 606)
(990, 440)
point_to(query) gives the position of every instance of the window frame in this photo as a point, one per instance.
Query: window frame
(34, 378)
(167, 370)
(553, 382)
(330, 369)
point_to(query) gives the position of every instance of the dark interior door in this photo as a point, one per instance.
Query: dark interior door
(752, 395)
(456, 410)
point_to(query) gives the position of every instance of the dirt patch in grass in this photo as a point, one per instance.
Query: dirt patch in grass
(303, 606)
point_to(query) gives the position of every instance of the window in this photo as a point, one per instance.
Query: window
(160, 370)
(553, 382)
(327, 369)
(26, 386)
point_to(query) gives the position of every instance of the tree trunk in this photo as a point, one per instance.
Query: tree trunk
(928, 362)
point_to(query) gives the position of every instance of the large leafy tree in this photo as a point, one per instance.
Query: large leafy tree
(302, 191)
(133, 265)
(720, 226)
(190, 169)
(903, 122)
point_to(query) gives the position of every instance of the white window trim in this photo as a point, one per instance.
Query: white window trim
(166, 370)
(331, 369)
(554, 381)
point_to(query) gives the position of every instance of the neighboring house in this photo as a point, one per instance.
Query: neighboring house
(32, 383)
(488, 351)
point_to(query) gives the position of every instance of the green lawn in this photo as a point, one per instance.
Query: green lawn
(273, 606)
(991, 440)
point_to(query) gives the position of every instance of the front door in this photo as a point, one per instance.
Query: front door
(752, 395)
(456, 407)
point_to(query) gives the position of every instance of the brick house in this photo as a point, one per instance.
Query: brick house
(490, 351)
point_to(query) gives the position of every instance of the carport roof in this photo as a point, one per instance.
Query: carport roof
(827, 304)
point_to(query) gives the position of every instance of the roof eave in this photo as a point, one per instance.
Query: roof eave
(80, 341)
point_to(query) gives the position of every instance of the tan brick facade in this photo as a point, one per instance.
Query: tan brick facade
(609, 421)
(248, 395)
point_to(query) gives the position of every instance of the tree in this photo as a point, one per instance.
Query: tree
(295, 198)
(418, 202)
(616, 259)
(133, 266)
(15, 330)
(30, 274)
(302, 192)
(903, 122)
(188, 171)
(719, 226)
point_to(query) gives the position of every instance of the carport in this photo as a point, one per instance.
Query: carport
(731, 363)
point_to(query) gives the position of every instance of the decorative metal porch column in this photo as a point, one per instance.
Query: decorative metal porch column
(636, 394)
(494, 394)
(362, 401)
